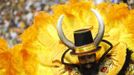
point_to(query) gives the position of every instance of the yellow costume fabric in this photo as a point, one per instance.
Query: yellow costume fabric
(40, 51)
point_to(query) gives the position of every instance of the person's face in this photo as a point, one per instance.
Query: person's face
(87, 59)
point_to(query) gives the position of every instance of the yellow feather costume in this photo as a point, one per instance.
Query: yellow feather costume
(41, 49)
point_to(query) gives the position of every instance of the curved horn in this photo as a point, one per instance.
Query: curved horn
(61, 34)
(100, 33)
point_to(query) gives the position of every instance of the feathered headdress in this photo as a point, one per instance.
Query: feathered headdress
(41, 49)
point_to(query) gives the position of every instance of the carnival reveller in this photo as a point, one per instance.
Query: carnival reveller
(80, 21)
(46, 47)
(87, 49)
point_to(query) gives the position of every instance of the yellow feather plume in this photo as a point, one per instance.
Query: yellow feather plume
(41, 48)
